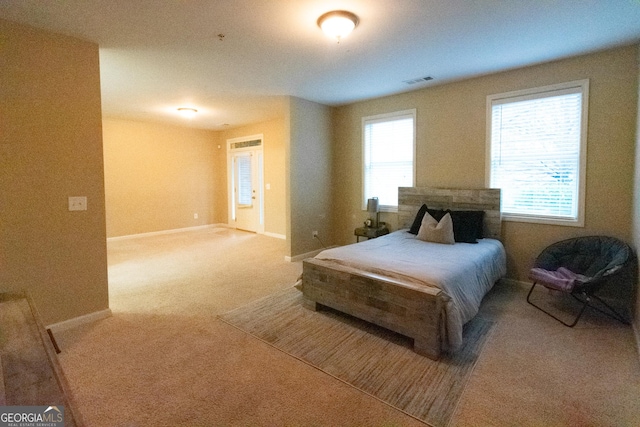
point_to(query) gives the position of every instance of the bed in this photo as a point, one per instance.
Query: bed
(426, 291)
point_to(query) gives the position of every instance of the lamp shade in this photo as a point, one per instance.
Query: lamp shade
(372, 205)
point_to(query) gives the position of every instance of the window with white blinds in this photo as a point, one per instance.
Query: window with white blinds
(388, 142)
(537, 152)
(244, 181)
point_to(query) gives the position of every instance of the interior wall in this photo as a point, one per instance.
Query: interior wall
(636, 206)
(309, 175)
(273, 132)
(50, 149)
(158, 177)
(451, 144)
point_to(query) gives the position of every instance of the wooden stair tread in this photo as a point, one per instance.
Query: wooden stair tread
(31, 372)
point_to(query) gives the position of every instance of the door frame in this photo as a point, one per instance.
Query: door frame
(259, 151)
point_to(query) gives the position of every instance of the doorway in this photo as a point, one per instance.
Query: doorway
(246, 198)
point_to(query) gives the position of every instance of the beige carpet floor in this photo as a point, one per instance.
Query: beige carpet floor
(164, 359)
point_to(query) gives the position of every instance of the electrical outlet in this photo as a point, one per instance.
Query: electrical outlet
(195, 216)
(78, 203)
(314, 234)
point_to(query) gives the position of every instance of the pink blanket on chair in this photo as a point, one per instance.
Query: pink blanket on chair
(562, 279)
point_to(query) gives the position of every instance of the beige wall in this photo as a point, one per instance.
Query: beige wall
(158, 176)
(50, 149)
(636, 207)
(309, 175)
(451, 145)
(273, 132)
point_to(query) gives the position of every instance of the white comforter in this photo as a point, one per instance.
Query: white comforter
(465, 272)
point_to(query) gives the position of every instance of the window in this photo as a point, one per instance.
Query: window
(536, 141)
(244, 181)
(388, 142)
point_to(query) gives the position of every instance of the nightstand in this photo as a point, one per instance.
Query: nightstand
(371, 232)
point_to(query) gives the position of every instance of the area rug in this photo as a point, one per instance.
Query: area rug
(374, 360)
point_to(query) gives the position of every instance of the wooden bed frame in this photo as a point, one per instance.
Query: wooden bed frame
(411, 310)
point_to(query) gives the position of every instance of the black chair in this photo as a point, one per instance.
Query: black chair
(581, 267)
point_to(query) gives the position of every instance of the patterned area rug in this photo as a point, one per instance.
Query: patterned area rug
(374, 360)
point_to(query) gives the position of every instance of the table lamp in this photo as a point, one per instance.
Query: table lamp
(372, 208)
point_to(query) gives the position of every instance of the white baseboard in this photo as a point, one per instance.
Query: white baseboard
(302, 256)
(175, 230)
(80, 320)
(307, 255)
(222, 225)
(179, 230)
(636, 335)
(276, 235)
(514, 282)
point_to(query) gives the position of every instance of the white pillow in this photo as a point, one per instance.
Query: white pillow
(436, 232)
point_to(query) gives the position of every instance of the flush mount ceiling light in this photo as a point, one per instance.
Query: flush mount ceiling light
(338, 23)
(187, 111)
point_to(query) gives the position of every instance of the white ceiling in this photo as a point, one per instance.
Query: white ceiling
(158, 55)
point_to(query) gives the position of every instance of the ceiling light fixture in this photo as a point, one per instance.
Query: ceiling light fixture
(338, 23)
(187, 111)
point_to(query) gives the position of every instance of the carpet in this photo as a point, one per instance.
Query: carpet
(374, 360)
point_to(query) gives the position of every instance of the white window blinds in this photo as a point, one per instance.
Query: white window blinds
(536, 145)
(244, 180)
(388, 155)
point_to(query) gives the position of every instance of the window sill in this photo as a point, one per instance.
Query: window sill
(392, 209)
(546, 221)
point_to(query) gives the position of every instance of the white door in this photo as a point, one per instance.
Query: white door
(247, 204)
(245, 184)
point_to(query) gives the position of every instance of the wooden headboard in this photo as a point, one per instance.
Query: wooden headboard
(410, 199)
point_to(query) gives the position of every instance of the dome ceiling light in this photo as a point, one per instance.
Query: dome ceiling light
(338, 23)
(187, 112)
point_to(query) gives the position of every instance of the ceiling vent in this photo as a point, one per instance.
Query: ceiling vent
(418, 80)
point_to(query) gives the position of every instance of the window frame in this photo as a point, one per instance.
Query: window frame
(384, 118)
(577, 86)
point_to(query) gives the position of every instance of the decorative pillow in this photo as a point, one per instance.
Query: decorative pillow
(437, 214)
(415, 227)
(436, 232)
(467, 225)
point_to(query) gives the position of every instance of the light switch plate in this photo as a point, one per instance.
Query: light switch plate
(78, 203)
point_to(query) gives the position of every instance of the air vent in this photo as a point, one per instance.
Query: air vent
(419, 80)
(245, 144)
